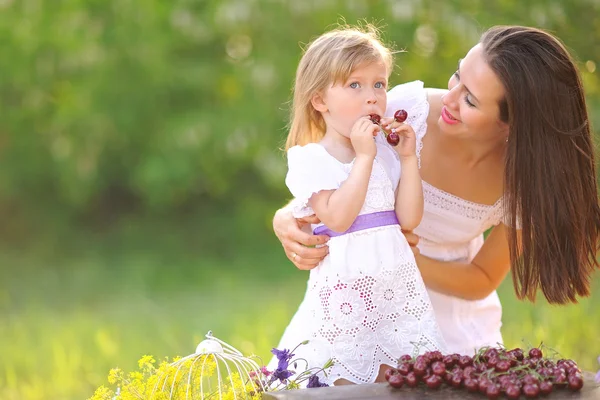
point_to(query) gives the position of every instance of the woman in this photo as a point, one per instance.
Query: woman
(508, 146)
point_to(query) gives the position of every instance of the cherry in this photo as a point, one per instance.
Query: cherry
(465, 361)
(471, 384)
(513, 392)
(503, 366)
(438, 368)
(375, 118)
(530, 380)
(411, 380)
(404, 368)
(389, 372)
(535, 353)
(575, 382)
(449, 361)
(400, 116)
(396, 381)
(456, 380)
(436, 355)
(518, 353)
(420, 368)
(393, 139)
(405, 358)
(468, 371)
(492, 391)
(434, 381)
(531, 391)
(546, 387)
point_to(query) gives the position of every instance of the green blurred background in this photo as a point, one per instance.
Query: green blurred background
(140, 167)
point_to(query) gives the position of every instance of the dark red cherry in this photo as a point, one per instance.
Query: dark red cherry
(396, 381)
(546, 387)
(513, 392)
(531, 391)
(393, 139)
(535, 353)
(575, 382)
(375, 118)
(434, 381)
(400, 116)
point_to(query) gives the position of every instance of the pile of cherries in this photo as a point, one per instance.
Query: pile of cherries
(399, 116)
(492, 372)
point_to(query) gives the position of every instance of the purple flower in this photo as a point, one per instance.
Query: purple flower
(313, 382)
(598, 373)
(284, 358)
(281, 374)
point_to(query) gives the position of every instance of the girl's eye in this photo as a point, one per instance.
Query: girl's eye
(354, 85)
(456, 75)
(469, 103)
(380, 85)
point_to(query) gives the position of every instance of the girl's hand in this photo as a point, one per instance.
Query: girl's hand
(295, 240)
(362, 135)
(408, 138)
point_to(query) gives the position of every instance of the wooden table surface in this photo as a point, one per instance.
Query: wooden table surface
(383, 391)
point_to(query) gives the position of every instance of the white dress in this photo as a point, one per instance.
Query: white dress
(366, 303)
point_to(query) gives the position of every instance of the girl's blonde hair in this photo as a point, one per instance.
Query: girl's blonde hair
(327, 60)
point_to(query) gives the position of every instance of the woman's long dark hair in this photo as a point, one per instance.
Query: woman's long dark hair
(550, 178)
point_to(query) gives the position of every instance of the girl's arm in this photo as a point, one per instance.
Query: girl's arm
(338, 209)
(409, 194)
(471, 281)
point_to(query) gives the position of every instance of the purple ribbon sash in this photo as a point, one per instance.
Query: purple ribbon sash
(362, 222)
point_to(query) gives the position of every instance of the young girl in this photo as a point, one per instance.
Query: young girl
(366, 303)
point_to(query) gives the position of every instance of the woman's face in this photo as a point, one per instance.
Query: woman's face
(471, 107)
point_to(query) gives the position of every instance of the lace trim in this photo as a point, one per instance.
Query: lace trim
(457, 205)
(418, 120)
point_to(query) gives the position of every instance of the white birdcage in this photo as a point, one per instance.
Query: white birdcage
(214, 369)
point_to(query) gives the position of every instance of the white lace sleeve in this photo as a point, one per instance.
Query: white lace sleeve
(310, 170)
(411, 97)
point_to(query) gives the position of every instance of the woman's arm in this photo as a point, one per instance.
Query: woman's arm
(474, 280)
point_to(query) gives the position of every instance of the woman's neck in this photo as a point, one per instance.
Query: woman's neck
(472, 153)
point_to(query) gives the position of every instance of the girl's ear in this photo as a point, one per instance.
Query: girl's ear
(318, 103)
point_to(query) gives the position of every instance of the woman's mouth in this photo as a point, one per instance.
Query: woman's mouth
(448, 118)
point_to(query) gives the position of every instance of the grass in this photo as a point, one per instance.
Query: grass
(65, 320)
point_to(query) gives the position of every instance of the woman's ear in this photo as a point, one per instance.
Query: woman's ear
(318, 103)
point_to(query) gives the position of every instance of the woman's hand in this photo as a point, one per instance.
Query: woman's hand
(413, 240)
(295, 237)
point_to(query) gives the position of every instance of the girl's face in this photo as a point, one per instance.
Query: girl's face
(364, 93)
(471, 107)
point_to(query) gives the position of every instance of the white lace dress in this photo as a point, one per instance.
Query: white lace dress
(366, 303)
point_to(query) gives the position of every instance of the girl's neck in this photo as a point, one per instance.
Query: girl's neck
(338, 146)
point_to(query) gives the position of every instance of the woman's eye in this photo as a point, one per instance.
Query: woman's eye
(469, 102)
(354, 85)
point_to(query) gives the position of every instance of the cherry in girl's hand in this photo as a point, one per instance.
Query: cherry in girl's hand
(393, 138)
(400, 115)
